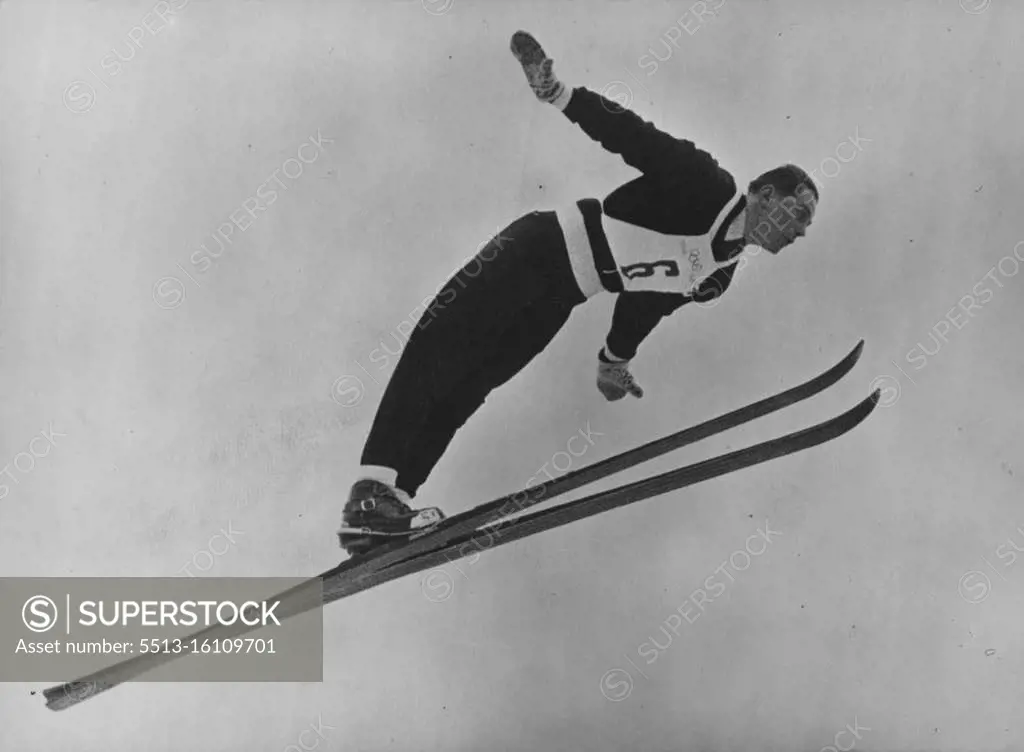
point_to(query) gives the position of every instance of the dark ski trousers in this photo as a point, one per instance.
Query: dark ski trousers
(484, 326)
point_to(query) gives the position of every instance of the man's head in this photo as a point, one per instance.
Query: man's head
(781, 205)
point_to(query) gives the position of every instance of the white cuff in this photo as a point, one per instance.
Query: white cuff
(612, 357)
(562, 100)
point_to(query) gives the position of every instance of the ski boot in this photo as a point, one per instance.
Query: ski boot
(377, 514)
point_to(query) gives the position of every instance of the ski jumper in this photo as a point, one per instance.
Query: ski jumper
(668, 237)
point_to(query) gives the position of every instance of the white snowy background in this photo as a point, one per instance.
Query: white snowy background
(237, 399)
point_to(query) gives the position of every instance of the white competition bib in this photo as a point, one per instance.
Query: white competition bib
(651, 261)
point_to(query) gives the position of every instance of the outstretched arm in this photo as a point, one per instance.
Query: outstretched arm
(620, 131)
(640, 144)
(635, 316)
(637, 313)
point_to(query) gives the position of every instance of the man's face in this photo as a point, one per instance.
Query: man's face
(779, 220)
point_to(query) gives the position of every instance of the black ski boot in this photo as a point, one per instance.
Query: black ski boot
(375, 514)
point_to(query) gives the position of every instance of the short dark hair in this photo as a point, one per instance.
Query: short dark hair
(787, 179)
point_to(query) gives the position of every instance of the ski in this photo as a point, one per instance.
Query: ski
(400, 558)
(503, 532)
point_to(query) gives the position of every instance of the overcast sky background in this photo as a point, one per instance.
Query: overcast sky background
(888, 599)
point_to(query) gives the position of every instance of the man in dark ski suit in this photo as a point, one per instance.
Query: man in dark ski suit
(669, 237)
